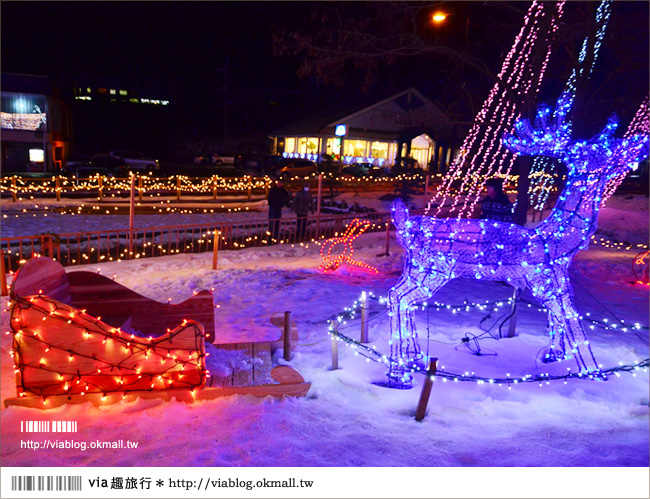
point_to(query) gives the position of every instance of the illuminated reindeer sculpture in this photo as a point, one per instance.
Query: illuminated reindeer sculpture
(438, 250)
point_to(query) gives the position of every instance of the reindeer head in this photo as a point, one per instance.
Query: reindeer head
(603, 156)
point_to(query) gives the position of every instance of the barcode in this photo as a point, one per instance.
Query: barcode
(48, 426)
(46, 483)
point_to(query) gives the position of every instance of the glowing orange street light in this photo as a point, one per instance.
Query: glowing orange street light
(438, 17)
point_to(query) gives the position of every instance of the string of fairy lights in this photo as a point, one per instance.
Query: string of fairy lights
(93, 357)
(540, 184)
(373, 354)
(640, 125)
(22, 188)
(482, 153)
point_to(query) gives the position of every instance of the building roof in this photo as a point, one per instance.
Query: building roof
(389, 119)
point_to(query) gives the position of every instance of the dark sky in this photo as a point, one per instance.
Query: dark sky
(186, 43)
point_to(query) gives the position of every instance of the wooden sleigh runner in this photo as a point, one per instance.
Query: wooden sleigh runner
(75, 341)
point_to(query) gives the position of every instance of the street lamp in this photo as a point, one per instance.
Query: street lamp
(438, 17)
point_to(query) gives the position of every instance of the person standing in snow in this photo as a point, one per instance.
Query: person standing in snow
(496, 205)
(303, 204)
(279, 197)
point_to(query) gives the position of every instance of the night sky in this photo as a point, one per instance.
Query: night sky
(187, 44)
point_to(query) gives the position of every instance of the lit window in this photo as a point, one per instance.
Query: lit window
(112, 91)
(88, 90)
(123, 92)
(36, 155)
(290, 145)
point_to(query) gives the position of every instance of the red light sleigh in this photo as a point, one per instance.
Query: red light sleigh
(64, 352)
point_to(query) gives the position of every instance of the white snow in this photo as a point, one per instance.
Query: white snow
(346, 420)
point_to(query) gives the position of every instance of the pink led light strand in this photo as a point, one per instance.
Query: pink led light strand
(497, 115)
(640, 125)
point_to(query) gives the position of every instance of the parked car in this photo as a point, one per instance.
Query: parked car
(214, 159)
(102, 164)
(297, 167)
(406, 166)
(137, 160)
(363, 170)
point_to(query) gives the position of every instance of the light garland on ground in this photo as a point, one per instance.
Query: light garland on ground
(59, 350)
(482, 153)
(438, 250)
(372, 354)
(334, 261)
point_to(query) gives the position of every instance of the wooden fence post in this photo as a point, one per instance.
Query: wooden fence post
(426, 191)
(215, 250)
(57, 183)
(512, 327)
(100, 186)
(364, 317)
(140, 189)
(214, 187)
(318, 204)
(3, 275)
(131, 213)
(178, 188)
(287, 336)
(335, 350)
(14, 192)
(250, 186)
(426, 390)
(387, 239)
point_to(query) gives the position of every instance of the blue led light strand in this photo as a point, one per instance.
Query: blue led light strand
(438, 250)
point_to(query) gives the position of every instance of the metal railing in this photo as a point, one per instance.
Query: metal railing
(98, 247)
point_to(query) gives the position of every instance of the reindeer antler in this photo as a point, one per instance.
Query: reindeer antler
(549, 135)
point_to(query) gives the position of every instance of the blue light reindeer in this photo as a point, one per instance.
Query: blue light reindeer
(440, 249)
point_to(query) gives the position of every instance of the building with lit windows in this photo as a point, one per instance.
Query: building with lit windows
(406, 125)
(120, 113)
(36, 125)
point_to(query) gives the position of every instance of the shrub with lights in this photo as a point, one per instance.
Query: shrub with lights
(438, 250)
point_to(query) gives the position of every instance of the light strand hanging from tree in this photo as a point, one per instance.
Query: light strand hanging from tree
(540, 184)
(640, 125)
(482, 154)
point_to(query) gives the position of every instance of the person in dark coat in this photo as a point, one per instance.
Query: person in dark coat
(279, 197)
(496, 205)
(303, 204)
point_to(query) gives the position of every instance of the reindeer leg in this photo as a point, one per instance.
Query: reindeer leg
(553, 290)
(404, 343)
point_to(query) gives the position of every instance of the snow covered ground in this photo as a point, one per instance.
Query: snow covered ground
(346, 420)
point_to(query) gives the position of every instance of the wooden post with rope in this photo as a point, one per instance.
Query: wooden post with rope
(100, 187)
(131, 214)
(215, 249)
(318, 204)
(214, 187)
(14, 192)
(364, 317)
(57, 183)
(140, 189)
(178, 188)
(287, 336)
(3, 275)
(426, 390)
(335, 348)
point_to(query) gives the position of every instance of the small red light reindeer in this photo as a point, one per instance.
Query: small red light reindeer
(332, 259)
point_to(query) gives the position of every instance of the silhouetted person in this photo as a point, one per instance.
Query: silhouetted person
(303, 204)
(278, 198)
(496, 205)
